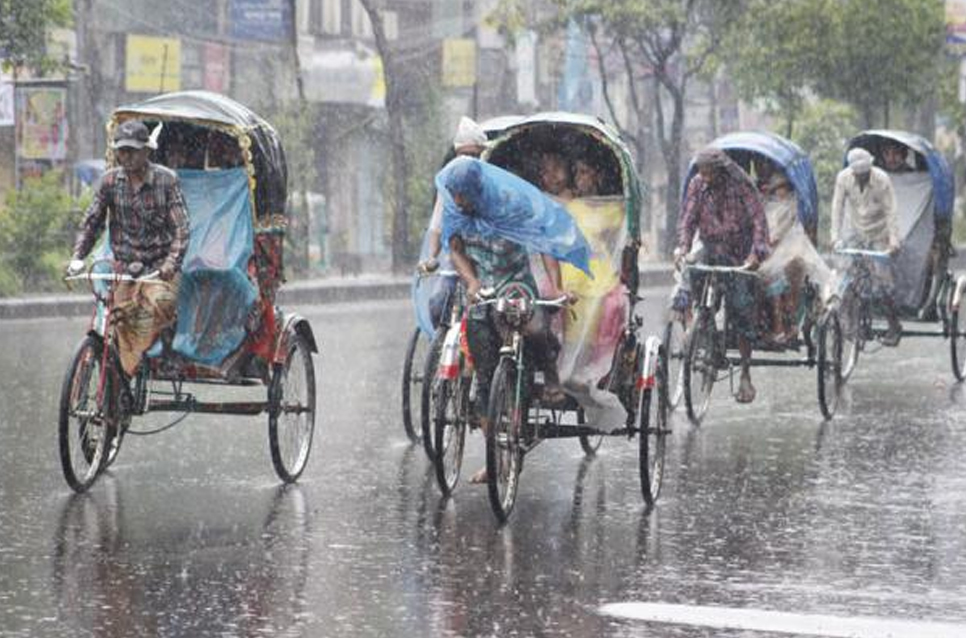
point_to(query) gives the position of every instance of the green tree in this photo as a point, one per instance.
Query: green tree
(664, 46)
(23, 30)
(873, 55)
(36, 225)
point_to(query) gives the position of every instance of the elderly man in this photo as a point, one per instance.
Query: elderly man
(864, 216)
(143, 207)
(722, 204)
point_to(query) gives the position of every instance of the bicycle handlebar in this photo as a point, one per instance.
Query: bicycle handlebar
(150, 278)
(861, 252)
(740, 270)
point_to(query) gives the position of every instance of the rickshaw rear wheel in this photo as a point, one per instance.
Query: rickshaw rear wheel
(429, 392)
(83, 427)
(700, 366)
(957, 339)
(829, 364)
(652, 424)
(504, 456)
(675, 344)
(449, 428)
(291, 420)
(412, 385)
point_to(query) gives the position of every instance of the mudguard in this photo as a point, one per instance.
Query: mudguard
(293, 324)
(958, 292)
(648, 373)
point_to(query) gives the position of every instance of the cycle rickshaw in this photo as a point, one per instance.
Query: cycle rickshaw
(432, 296)
(229, 330)
(609, 371)
(926, 292)
(699, 336)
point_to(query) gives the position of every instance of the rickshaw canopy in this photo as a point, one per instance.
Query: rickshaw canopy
(261, 147)
(787, 155)
(938, 167)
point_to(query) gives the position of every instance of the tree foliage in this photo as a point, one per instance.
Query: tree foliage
(873, 55)
(23, 30)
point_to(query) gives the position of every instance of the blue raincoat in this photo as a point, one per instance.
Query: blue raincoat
(500, 204)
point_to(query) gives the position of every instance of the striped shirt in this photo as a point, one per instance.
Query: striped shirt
(149, 224)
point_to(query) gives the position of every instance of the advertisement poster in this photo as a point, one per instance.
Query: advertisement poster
(217, 70)
(152, 65)
(459, 62)
(41, 123)
(956, 25)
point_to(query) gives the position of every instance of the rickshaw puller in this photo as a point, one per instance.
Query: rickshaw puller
(865, 195)
(487, 253)
(722, 204)
(144, 208)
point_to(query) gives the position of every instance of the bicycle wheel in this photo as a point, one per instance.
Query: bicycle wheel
(673, 360)
(504, 456)
(829, 365)
(83, 429)
(291, 414)
(412, 383)
(700, 369)
(652, 424)
(957, 339)
(449, 426)
(429, 391)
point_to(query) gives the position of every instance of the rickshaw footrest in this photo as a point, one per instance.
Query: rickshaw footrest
(238, 407)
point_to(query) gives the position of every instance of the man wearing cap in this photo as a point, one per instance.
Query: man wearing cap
(144, 210)
(864, 215)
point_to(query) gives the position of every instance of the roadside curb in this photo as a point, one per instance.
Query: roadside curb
(311, 292)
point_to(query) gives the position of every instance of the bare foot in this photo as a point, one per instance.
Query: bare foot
(480, 477)
(746, 391)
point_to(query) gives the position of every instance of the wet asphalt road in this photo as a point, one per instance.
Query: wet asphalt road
(764, 507)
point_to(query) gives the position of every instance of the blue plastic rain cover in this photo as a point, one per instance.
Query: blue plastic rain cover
(216, 294)
(430, 289)
(508, 207)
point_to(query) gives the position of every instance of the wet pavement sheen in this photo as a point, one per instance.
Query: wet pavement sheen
(763, 507)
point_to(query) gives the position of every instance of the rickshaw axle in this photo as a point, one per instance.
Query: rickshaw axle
(190, 405)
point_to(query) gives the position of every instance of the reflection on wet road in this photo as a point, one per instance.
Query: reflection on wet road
(764, 508)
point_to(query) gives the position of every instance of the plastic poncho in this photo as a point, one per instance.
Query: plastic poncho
(500, 204)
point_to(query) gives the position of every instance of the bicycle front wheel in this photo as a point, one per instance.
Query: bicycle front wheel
(83, 429)
(504, 456)
(450, 431)
(700, 366)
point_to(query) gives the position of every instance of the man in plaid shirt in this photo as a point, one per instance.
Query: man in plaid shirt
(144, 209)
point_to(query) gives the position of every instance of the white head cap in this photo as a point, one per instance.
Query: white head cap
(469, 133)
(860, 160)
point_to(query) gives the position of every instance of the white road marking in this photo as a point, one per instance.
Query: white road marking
(783, 622)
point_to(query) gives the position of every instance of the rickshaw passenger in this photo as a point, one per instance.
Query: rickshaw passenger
(555, 175)
(144, 207)
(864, 197)
(793, 257)
(586, 179)
(486, 256)
(722, 204)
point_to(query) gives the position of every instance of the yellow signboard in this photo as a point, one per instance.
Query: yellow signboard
(459, 62)
(153, 65)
